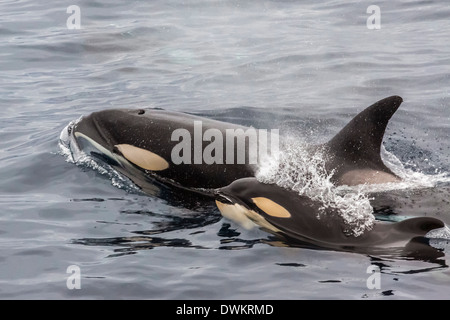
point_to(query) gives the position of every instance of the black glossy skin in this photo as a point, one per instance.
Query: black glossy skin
(403, 238)
(152, 129)
(356, 146)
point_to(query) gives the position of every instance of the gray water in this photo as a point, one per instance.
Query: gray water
(305, 66)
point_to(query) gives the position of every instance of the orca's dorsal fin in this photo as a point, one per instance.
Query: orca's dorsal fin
(359, 142)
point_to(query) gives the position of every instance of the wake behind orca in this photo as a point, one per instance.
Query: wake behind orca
(140, 145)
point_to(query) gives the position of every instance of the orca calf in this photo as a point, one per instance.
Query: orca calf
(297, 218)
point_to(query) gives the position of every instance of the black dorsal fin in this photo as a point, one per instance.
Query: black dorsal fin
(359, 142)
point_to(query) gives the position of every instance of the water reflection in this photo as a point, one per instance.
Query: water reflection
(133, 244)
(391, 260)
(391, 265)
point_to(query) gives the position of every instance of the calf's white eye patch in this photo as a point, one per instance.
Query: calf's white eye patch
(271, 208)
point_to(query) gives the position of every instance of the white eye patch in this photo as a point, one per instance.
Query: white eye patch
(271, 208)
(143, 158)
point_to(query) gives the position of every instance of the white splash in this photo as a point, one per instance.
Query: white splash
(69, 149)
(440, 238)
(65, 141)
(439, 234)
(303, 171)
(410, 179)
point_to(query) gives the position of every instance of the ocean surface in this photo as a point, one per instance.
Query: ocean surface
(304, 67)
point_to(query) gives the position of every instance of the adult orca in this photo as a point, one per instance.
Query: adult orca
(139, 144)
